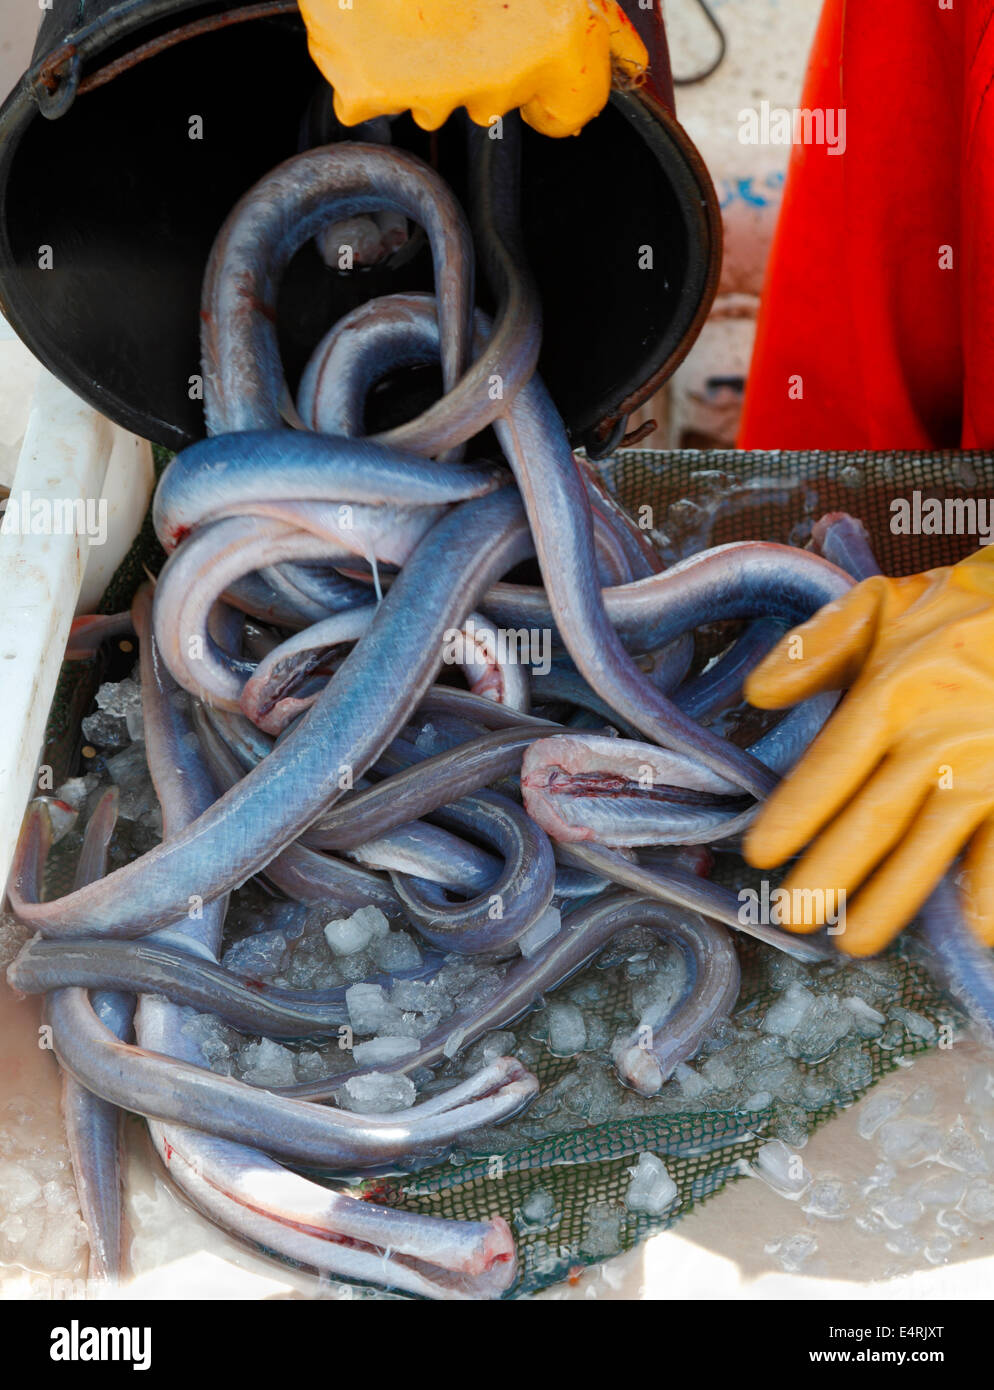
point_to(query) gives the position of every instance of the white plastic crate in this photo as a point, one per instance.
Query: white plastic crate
(79, 488)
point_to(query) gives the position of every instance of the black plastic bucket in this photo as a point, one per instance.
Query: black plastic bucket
(108, 209)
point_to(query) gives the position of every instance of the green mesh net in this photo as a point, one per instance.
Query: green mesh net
(577, 1143)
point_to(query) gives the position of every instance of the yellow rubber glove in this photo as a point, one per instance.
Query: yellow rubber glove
(901, 778)
(551, 58)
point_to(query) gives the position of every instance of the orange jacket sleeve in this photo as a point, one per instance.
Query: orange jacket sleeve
(877, 323)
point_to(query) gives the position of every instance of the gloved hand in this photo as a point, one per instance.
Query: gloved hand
(551, 58)
(901, 778)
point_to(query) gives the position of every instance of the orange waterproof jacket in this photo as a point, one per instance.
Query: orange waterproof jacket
(877, 324)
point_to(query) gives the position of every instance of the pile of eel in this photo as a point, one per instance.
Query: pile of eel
(300, 636)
